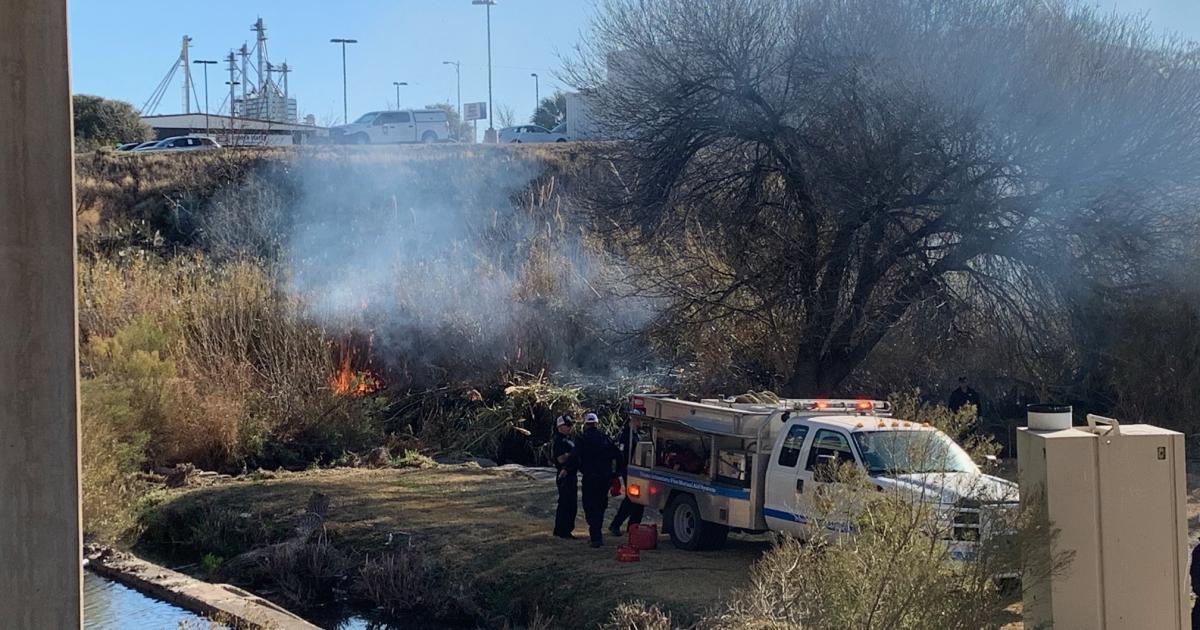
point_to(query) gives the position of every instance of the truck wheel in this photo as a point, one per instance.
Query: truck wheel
(361, 139)
(688, 531)
(429, 137)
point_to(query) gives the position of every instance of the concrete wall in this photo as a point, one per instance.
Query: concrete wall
(40, 573)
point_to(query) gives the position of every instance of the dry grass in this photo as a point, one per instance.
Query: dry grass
(638, 616)
(187, 361)
(492, 524)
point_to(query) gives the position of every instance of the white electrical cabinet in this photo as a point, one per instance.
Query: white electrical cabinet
(1116, 493)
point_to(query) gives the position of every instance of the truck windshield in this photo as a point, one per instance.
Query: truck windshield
(366, 118)
(911, 451)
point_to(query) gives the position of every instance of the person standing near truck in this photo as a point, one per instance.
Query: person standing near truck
(963, 395)
(597, 456)
(628, 509)
(562, 452)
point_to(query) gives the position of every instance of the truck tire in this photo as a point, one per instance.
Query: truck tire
(688, 531)
(360, 138)
(429, 137)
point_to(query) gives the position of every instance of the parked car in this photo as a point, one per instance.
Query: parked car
(391, 127)
(183, 143)
(530, 133)
(143, 145)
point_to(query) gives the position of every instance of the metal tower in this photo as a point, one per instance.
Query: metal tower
(187, 75)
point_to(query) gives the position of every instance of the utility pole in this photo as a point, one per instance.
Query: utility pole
(458, 84)
(345, 107)
(206, 63)
(398, 84)
(537, 99)
(491, 132)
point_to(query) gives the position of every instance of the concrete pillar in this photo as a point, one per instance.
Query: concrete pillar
(40, 574)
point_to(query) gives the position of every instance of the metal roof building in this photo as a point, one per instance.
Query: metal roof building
(237, 131)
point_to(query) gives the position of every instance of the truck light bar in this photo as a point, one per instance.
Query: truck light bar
(841, 405)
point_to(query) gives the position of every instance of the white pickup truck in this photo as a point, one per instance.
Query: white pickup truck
(717, 466)
(392, 127)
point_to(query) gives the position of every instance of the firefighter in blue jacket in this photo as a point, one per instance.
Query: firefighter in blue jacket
(597, 462)
(563, 453)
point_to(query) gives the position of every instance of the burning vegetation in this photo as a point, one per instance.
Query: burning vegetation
(348, 380)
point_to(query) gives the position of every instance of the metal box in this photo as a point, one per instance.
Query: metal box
(1117, 496)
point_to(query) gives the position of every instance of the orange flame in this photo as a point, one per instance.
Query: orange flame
(348, 382)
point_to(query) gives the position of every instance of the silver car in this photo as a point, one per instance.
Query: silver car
(530, 133)
(182, 143)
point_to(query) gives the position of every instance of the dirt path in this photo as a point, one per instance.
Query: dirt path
(500, 522)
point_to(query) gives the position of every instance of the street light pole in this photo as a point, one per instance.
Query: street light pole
(458, 83)
(206, 63)
(537, 98)
(491, 110)
(345, 106)
(398, 84)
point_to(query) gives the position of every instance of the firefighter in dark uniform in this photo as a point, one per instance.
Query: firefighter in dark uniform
(629, 509)
(963, 395)
(597, 458)
(563, 453)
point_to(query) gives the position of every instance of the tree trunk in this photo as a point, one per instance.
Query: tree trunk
(816, 376)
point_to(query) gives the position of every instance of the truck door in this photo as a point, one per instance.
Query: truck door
(819, 499)
(781, 504)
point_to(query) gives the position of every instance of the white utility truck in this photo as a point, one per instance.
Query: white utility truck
(717, 466)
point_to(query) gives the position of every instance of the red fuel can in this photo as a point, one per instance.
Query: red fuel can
(625, 553)
(643, 536)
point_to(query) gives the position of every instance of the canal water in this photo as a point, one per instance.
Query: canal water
(108, 605)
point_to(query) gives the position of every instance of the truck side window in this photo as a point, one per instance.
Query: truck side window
(401, 117)
(790, 453)
(830, 443)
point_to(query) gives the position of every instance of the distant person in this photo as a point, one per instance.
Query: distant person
(597, 456)
(563, 453)
(628, 509)
(963, 395)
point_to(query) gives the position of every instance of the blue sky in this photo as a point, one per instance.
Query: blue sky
(123, 48)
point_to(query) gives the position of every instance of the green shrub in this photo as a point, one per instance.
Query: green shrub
(111, 453)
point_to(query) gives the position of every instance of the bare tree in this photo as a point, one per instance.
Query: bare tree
(803, 174)
(505, 116)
